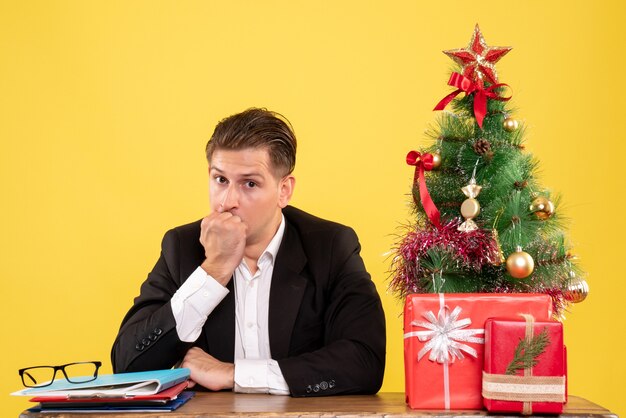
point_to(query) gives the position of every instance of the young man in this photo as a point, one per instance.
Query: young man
(258, 296)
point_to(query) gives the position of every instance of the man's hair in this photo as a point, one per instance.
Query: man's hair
(257, 128)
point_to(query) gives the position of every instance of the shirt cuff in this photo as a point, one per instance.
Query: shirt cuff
(194, 301)
(259, 376)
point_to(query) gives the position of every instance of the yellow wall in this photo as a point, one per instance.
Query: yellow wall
(105, 108)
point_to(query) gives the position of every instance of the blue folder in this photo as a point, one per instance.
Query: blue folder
(182, 398)
(110, 385)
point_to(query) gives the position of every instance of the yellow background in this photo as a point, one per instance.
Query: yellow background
(105, 108)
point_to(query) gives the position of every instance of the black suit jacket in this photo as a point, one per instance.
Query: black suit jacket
(326, 322)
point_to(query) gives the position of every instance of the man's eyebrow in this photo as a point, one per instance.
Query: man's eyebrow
(244, 175)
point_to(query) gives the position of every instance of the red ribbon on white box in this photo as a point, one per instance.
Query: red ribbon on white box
(446, 336)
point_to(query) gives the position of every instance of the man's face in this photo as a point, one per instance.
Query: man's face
(243, 183)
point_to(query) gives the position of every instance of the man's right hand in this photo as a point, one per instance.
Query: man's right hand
(223, 236)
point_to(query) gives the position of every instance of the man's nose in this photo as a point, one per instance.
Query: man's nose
(230, 199)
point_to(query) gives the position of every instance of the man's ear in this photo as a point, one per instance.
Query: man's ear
(285, 190)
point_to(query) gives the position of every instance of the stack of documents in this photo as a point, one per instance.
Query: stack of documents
(152, 391)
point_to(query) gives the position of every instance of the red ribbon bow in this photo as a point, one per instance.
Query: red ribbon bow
(424, 162)
(464, 84)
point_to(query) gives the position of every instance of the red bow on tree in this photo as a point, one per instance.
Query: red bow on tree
(424, 162)
(464, 84)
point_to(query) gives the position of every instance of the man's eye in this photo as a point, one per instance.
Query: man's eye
(220, 179)
(250, 184)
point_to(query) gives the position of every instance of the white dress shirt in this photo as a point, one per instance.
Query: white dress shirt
(193, 302)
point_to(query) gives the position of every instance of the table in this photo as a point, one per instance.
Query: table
(388, 405)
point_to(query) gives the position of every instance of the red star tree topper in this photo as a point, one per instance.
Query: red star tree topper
(478, 59)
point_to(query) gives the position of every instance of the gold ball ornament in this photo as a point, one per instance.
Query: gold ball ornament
(510, 124)
(520, 264)
(436, 160)
(542, 207)
(470, 208)
(577, 289)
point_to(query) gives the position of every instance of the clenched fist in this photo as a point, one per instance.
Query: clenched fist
(223, 236)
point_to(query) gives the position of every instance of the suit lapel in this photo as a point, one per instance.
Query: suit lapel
(286, 292)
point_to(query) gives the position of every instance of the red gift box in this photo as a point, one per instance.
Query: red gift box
(540, 388)
(444, 346)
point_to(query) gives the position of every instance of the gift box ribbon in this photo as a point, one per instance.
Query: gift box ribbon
(526, 388)
(446, 336)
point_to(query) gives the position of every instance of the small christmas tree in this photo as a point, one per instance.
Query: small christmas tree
(483, 222)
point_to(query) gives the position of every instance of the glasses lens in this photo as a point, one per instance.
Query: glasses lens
(80, 372)
(37, 376)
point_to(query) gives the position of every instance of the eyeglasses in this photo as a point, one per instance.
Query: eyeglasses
(41, 376)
